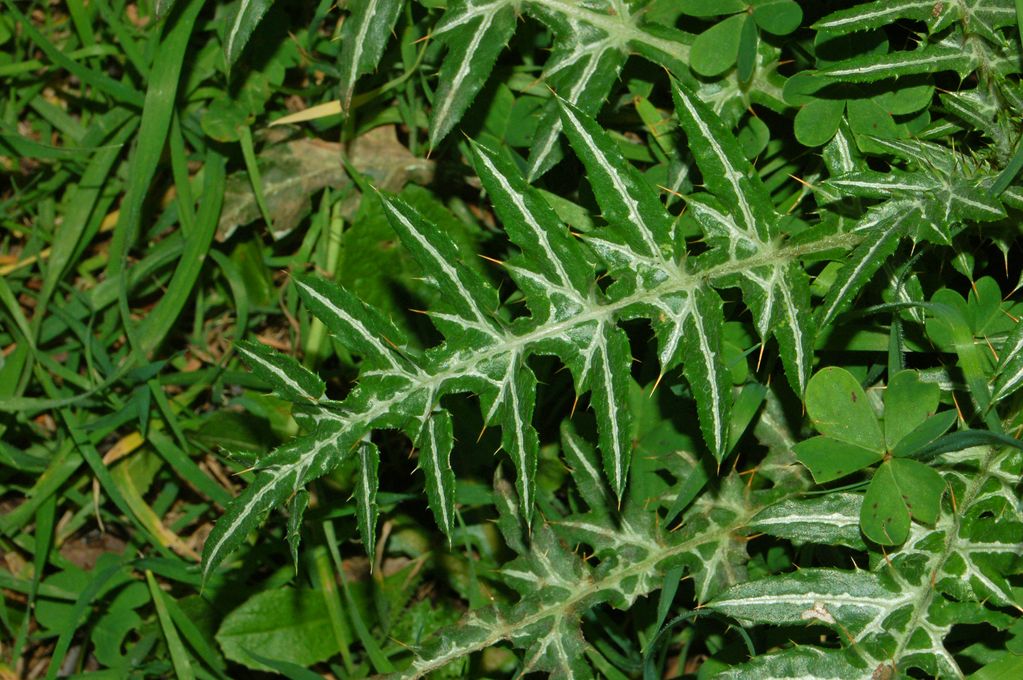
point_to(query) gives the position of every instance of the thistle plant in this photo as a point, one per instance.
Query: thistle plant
(698, 350)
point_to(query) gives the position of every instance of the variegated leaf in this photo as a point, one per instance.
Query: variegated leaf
(508, 400)
(475, 32)
(628, 201)
(288, 469)
(240, 22)
(600, 365)
(726, 172)
(931, 58)
(367, 482)
(582, 70)
(1009, 373)
(364, 36)
(553, 270)
(883, 235)
(288, 378)
(470, 299)
(356, 325)
(435, 441)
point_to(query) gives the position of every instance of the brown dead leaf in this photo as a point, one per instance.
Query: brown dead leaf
(295, 170)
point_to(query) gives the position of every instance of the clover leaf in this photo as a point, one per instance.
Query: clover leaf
(854, 438)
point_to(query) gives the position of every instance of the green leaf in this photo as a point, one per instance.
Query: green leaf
(830, 459)
(475, 32)
(908, 402)
(364, 35)
(838, 408)
(711, 8)
(240, 22)
(470, 298)
(831, 519)
(778, 17)
(844, 600)
(283, 624)
(625, 195)
(920, 438)
(716, 49)
(726, 172)
(284, 472)
(1009, 373)
(582, 69)
(884, 226)
(289, 378)
(746, 58)
(296, 512)
(367, 481)
(817, 122)
(929, 59)
(355, 324)
(900, 489)
(435, 441)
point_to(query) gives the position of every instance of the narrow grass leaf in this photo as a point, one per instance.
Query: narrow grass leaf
(178, 654)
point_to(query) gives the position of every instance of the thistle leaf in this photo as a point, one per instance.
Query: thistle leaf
(367, 482)
(287, 470)
(241, 21)
(1009, 373)
(471, 300)
(435, 441)
(364, 36)
(288, 378)
(356, 325)
(475, 32)
(625, 196)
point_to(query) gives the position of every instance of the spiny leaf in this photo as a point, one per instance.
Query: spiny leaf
(603, 369)
(886, 227)
(475, 32)
(356, 325)
(726, 172)
(241, 22)
(548, 249)
(364, 36)
(511, 405)
(470, 299)
(582, 69)
(289, 468)
(929, 59)
(846, 601)
(434, 442)
(623, 193)
(289, 378)
(366, 484)
(296, 512)
(1009, 373)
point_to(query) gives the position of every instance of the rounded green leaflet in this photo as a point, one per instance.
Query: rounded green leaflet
(711, 8)
(829, 459)
(908, 402)
(906, 100)
(817, 122)
(779, 17)
(838, 407)
(746, 59)
(927, 432)
(753, 137)
(901, 490)
(715, 50)
(866, 117)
